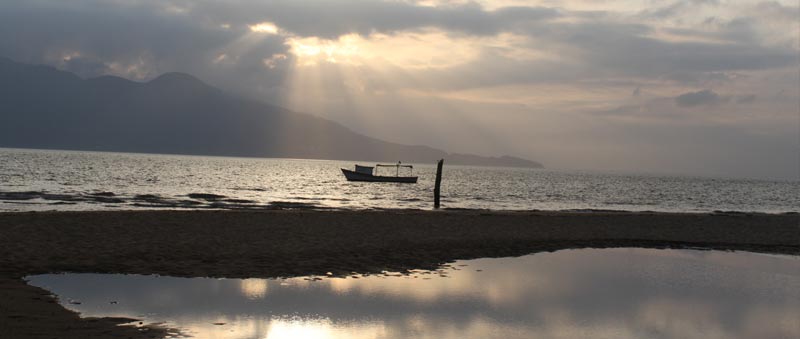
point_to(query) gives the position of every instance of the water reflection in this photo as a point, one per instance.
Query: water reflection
(254, 288)
(612, 293)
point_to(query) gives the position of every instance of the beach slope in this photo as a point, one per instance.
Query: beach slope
(291, 243)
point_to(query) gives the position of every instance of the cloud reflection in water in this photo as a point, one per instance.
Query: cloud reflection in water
(611, 293)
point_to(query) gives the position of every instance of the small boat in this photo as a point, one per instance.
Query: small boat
(367, 173)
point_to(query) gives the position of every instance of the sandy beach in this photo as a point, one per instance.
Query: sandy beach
(292, 243)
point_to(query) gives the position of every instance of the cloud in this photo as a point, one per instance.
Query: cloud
(778, 11)
(327, 19)
(373, 63)
(746, 99)
(699, 98)
(675, 8)
(153, 37)
(631, 49)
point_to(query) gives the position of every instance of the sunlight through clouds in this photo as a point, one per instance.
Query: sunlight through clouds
(587, 62)
(412, 50)
(311, 51)
(274, 60)
(438, 70)
(264, 27)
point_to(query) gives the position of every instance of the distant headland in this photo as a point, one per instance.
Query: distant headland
(175, 113)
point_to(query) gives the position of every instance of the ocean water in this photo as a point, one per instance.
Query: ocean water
(34, 180)
(591, 293)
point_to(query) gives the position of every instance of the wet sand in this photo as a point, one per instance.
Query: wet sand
(241, 244)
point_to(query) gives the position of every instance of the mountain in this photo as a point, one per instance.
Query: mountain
(42, 107)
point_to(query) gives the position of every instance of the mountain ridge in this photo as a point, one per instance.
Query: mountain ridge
(177, 113)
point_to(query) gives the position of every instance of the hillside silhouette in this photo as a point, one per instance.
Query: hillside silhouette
(175, 113)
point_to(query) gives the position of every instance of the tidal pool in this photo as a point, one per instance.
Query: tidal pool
(591, 293)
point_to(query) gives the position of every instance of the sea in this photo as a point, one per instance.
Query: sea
(41, 180)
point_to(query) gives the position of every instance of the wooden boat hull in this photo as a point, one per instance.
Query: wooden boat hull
(355, 176)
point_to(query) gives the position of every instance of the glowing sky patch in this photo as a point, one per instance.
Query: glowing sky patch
(274, 60)
(408, 50)
(264, 27)
(311, 51)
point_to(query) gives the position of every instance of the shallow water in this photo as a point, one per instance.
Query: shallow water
(33, 180)
(592, 293)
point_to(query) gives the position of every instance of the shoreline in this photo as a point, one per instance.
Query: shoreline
(151, 203)
(283, 243)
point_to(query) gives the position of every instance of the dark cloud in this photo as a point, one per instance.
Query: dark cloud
(701, 79)
(137, 40)
(142, 39)
(699, 98)
(675, 8)
(37, 32)
(776, 11)
(746, 99)
(629, 49)
(598, 50)
(330, 19)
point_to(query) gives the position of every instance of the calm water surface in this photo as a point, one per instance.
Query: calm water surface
(609, 293)
(67, 180)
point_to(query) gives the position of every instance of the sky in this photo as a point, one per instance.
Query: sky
(698, 87)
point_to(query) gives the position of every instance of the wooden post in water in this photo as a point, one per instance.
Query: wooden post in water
(438, 184)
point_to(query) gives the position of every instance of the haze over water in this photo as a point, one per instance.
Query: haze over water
(71, 180)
